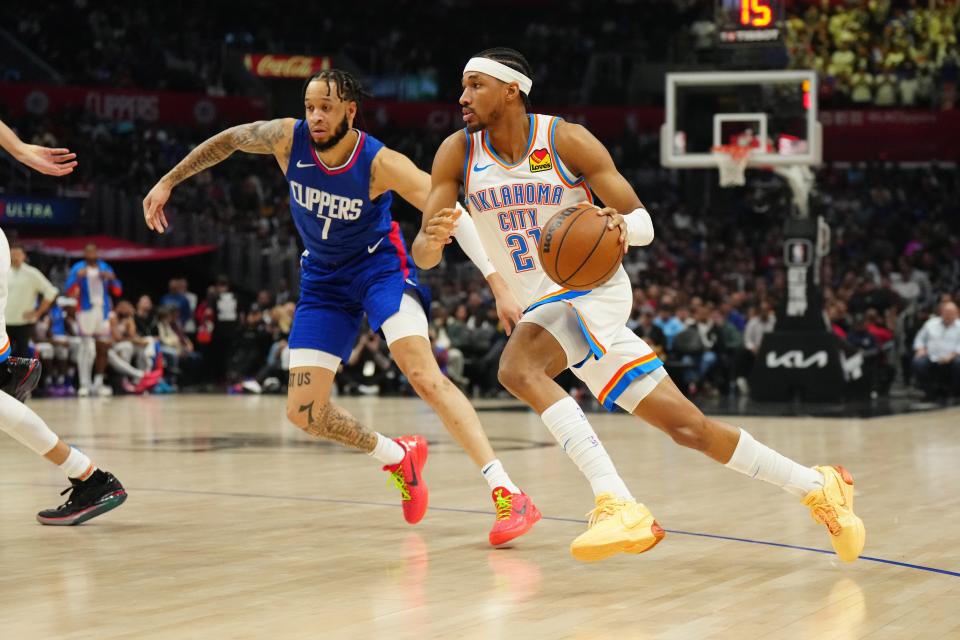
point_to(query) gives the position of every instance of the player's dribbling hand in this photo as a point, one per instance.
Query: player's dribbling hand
(616, 221)
(153, 207)
(441, 226)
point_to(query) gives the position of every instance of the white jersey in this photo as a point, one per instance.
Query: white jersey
(511, 202)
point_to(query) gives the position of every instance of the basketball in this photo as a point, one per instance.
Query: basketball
(577, 249)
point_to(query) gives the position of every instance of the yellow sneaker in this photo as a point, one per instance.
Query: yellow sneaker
(616, 526)
(833, 506)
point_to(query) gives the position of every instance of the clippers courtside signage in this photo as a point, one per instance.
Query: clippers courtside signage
(104, 103)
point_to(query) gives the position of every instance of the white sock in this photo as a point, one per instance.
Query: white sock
(25, 426)
(573, 432)
(78, 465)
(759, 461)
(98, 380)
(495, 475)
(387, 451)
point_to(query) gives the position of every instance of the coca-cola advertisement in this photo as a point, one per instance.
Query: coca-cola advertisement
(268, 65)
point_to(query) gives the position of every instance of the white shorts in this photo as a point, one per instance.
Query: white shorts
(617, 366)
(92, 323)
(409, 320)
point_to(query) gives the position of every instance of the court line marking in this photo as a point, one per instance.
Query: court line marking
(897, 563)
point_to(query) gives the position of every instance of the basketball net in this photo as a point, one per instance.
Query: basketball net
(732, 163)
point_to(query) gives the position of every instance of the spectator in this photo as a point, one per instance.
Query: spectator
(24, 285)
(174, 344)
(226, 323)
(668, 323)
(759, 325)
(369, 368)
(249, 348)
(935, 350)
(911, 285)
(93, 282)
(283, 292)
(128, 347)
(176, 297)
(145, 320)
(453, 361)
(651, 333)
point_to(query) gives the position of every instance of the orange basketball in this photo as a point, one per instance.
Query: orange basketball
(577, 250)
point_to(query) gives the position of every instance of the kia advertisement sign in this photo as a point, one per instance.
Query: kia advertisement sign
(283, 66)
(38, 211)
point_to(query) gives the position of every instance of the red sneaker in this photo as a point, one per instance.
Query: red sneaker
(407, 476)
(148, 381)
(516, 514)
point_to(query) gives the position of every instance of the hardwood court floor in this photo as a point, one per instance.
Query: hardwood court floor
(238, 526)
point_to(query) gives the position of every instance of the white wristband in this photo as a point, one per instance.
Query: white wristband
(639, 228)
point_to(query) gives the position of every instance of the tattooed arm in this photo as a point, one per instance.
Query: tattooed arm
(265, 136)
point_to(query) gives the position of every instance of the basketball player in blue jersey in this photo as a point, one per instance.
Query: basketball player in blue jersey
(517, 170)
(341, 183)
(93, 491)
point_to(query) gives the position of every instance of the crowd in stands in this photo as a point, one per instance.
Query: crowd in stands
(704, 295)
(184, 46)
(883, 53)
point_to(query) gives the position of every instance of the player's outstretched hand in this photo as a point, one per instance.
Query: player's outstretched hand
(153, 207)
(616, 220)
(52, 162)
(441, 226)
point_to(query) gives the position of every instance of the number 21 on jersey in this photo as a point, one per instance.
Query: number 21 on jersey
(522, 230)
(520, 248)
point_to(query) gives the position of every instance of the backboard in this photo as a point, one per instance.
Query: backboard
(775, 112)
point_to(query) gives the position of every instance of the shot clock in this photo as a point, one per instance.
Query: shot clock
(746, 22)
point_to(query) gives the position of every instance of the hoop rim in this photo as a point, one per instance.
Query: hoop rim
(737, 152)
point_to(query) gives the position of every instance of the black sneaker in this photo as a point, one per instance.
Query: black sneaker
(89, 498)
(19, 376)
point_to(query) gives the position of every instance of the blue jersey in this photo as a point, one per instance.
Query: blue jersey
(331, 206)
(356, 262)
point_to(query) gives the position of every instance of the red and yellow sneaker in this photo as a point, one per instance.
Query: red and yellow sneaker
(832, 506)
(407, 476)
(516, 514)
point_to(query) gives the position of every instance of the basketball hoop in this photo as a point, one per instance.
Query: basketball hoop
(732, 163)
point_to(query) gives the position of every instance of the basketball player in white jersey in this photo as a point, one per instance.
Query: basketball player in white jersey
(517, 170)
(92, 490)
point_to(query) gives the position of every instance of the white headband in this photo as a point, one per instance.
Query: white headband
(500, 72)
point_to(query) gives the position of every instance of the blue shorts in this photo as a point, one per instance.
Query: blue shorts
(334, 297)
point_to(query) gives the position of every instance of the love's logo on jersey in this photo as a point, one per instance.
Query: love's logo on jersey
(540, 160)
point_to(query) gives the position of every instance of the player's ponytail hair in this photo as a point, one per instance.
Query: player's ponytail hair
(513, 59)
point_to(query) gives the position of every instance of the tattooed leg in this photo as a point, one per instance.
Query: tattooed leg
(309, 407)
(333, 423)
